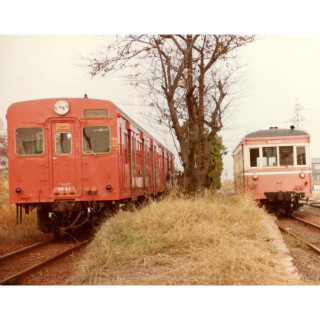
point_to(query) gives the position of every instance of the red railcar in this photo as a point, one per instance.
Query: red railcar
(274, 166)
(73, 158)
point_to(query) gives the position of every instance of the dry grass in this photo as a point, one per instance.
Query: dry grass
(9, 230)
(227, 187)
(210, 240)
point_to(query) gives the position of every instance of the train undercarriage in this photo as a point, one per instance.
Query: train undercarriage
(283, 201)
(61, 217)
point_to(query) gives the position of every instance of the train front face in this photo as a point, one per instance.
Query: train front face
(63, 156)
(278, 167)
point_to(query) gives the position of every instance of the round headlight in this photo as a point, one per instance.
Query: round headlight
(301, 174)
(61, 107)
(255, 176)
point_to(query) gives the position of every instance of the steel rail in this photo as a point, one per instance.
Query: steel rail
(14, 253)
(306, 222)
(15, 278)
(314, 205)
(304, 241)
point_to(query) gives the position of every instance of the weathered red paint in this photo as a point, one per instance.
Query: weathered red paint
(135, 166)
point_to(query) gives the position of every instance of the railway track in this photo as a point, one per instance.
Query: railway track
(303, 228)
(311, 203)
(19, 265)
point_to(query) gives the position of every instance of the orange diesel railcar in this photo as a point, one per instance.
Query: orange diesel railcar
(275, 167)
(73, 158)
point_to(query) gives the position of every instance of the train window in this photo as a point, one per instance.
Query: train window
(269, 156)
(96, 139)
(29, 141)
(139, 147)
(254, 157)
(286, 156)
(95, 113)
(301, 156)
(63, 142)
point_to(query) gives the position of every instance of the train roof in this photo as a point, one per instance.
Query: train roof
(275, 132)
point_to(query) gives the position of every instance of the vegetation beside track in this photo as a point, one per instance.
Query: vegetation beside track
(209, 240)
(9, 230)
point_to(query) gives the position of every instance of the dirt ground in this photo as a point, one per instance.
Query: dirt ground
(306, 261)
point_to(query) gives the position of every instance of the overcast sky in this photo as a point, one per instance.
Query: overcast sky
(278, 72)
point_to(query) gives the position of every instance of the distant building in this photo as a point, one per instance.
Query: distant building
(315, 163)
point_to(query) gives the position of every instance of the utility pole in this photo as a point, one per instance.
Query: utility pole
(297, 116)
(136, 118)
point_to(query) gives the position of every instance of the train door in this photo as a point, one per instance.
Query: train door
(133, 171)
(144, 164)
(154, 169)
(63, 146)
(127, 164)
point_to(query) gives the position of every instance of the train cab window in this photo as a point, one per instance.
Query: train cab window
(29, 141)
(286, 156)
(269, 156)
(254, 157)
(301, 156)
(63, 142)
(96, 139)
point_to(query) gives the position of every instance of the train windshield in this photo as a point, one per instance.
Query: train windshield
(269, 155)
(29, 141)
(63, 143)
(286, 156)
(96, 139)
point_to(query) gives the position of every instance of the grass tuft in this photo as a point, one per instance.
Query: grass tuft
(9, 230)
(207, 240)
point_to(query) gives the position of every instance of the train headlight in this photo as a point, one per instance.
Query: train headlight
(255, 176)
(61, 107)
(108, 187)
(301, 174)
(18, 190)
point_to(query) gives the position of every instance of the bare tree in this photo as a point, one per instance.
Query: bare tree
(3, 152)
(187, 78)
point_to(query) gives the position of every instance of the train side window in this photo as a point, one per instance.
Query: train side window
(269, 156)
(254, 157)
(63, 142)
(286, 156)
(139, 147)
(301, 156)
(29, 141)
(96, 139)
